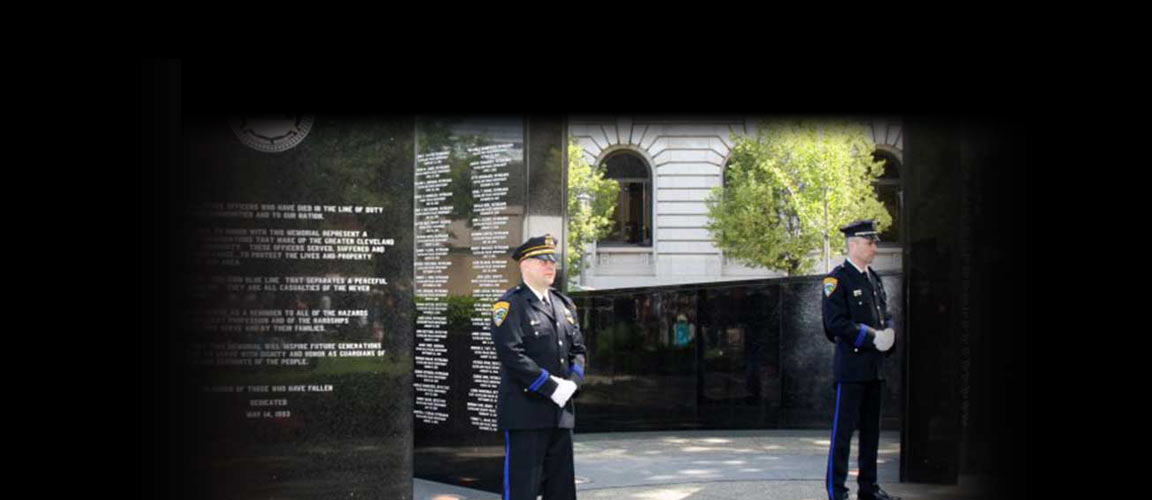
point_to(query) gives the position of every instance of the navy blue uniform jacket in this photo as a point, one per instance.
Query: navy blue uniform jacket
(534, 343)
(849, 302)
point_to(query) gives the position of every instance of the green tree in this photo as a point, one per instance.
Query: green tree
(588, 220)
(790, 187)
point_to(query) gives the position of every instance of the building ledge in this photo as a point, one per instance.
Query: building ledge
(600, 248)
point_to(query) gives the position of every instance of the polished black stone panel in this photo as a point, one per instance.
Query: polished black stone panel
(809, 385)
(933, 434)
(547, 181)
(740, 348)
(891, 414)
(471, 192)
(484, 184)
(966, 195)
(294, 345)
(745, 355)
(596, 404)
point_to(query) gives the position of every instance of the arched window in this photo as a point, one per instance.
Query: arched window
(890, 193)
(632, 219)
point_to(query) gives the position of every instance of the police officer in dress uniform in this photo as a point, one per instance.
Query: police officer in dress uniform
(541, 354)
(856, 319)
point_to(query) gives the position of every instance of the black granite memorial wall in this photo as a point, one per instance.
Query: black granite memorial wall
(966, 195)
(334, 276)
(293, 314)
(739, 355)
(483, 186)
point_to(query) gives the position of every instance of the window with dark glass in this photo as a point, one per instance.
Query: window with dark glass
(632, 219)
(888, 190)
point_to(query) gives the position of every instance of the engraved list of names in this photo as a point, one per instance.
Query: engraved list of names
(468, 216)
(490, 250)
(433, 218)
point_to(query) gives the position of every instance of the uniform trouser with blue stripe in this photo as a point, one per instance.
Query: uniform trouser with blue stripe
(539, 462)
(857, 407)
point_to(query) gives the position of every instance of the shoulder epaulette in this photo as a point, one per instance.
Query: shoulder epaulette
(510, 292)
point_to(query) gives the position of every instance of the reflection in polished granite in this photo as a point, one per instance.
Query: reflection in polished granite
(757, 357)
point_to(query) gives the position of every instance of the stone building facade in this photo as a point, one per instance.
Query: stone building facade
(667, 167)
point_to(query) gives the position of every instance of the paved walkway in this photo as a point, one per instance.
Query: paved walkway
(716, 465)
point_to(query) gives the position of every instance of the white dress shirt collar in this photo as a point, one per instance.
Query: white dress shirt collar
(539, 296)
(862, 271)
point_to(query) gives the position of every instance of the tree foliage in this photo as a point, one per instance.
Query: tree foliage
(591, 222)
(790, 188)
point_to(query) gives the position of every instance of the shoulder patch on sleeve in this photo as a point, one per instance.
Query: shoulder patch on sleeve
(830, 286)
(499, 312)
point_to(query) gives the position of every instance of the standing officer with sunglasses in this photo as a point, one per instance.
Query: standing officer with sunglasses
(541, 354)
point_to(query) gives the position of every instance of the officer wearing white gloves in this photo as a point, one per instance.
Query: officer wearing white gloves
(884, 339)
(541, 354)
(856, 319)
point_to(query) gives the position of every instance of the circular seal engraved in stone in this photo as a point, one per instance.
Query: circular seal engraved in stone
(272, 133)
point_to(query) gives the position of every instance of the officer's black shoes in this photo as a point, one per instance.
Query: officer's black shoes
(876, 494)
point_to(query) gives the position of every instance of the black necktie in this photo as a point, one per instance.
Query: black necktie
(548, 307)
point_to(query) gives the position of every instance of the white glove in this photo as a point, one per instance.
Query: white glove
(884, 339)
(564, 391)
